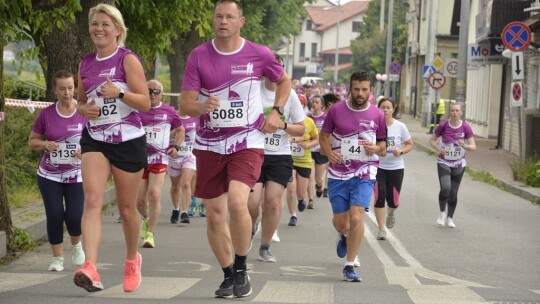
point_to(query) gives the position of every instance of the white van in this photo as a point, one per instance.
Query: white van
(311, 80)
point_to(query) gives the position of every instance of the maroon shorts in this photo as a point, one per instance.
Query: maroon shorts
(154, 168)
(215, 171)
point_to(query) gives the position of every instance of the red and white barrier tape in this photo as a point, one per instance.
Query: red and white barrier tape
(43, 104)
(27, 103)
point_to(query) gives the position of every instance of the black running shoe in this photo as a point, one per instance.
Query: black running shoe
(242, 286)
(184, 218)
(225, 289)
(325, 192)
(174, 216)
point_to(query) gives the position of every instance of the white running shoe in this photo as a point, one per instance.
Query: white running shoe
(357, 261)
(441, 219)
(77, 255)
(57, 264)
(275, 237)
(450, 223)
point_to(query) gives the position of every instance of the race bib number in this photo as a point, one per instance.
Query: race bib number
(296, 150)
(454, 153)
(186, 149)
(65, 154)
(109, 112)
(232, 113)
(354, 149)
(154, 135)
(272, 142)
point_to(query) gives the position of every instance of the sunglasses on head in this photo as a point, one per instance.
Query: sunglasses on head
(154, 91)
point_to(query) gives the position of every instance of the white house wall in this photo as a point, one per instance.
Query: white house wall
(483, 93)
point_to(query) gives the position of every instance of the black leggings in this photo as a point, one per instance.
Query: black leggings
(388, 187)
(53, 194)
(449, 180)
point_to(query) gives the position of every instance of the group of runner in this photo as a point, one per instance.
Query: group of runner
(243, 129)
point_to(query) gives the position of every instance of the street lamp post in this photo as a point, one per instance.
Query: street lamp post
(336, 57)
(389, 35)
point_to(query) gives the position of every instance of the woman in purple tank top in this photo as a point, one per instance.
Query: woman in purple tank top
(112, 89)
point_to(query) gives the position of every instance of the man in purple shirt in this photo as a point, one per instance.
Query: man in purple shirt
(222, 81)
(353, 134)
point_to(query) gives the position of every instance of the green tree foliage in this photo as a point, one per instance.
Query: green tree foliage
(269, 20)
(369, 49)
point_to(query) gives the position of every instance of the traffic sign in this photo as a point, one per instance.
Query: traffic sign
(438, 63)
(517, 66)
(393, 77)
(516, 36)
(427, 70)
(436, 80)
(517, 94)
(395, 67)
(450, 67)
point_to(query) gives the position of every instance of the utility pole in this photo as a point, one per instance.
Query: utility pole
(381, 18)
(462, 53)
(336, 57)
(428, 95)
(389, 34)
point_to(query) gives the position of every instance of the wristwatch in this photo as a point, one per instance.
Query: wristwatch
(177, 147)
(401, 152)
(280, 110)
(121, 94)
(284, 126)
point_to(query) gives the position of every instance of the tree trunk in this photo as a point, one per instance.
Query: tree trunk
(64, 50)
(5, 214)
(182, 46)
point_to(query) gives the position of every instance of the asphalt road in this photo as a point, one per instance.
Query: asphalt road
(492, 256)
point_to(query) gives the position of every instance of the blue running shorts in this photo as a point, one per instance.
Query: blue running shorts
(344, 193)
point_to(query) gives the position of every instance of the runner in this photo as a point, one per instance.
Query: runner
(317, 178)
(456, 137)
(222, 80)
(353, 133)
(158, 124)
(182, 172)
(276, 170)
(391, 167)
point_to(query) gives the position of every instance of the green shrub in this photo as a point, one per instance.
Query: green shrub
(21, 161)
(532, 175)
(527, 172)
(21, 241)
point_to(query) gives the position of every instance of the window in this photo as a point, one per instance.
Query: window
(302, 52)
(313, 52)
(309, 24)
(356, 26)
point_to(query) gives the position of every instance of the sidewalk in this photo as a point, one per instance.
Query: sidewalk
(33, 220)
(486, 158)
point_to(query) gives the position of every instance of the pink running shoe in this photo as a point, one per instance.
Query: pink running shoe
(132, 274)
(88, 278)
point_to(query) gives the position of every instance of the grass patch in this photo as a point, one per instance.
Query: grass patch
(21, 198)
(482, 176)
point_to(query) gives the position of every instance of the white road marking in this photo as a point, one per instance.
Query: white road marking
(13, 281)
(151, 288)
(295, 292)
(457, 291)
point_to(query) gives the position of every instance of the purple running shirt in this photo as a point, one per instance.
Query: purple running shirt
(62, 130)
(319, 120)
(93, 72)
(236, 79)
(352, 128)
(455, 155)
(157, 124)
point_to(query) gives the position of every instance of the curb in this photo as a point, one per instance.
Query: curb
(516, 190)
(37, 227)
